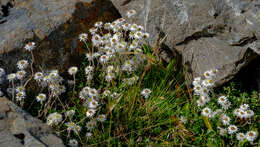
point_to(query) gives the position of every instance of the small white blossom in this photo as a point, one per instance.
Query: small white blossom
(41, 97)
(240, 136)
(22, 64)
(146, 93)
(90, 112)
(101, 118)
(251, 136)
(232, 129)
(206, 112)
(73, 70)
(83, 37)
(73, 143)
(30, 46)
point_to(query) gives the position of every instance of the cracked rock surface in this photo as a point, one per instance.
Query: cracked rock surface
(222, 34)
(18, 128)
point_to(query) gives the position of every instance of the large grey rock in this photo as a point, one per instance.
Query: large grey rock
(54, 25)
(207, 33)
(18, 128)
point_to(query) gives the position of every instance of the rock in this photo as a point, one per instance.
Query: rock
(18, 128)
(54, 26)
(208, 34)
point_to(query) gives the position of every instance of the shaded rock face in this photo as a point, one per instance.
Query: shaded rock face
(222, 34)
(18, 128)
(54, 26)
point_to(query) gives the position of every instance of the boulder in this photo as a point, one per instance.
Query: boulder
(54, 26)
(222, 34)
(18, 128)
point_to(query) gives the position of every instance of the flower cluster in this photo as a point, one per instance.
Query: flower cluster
(202, 89)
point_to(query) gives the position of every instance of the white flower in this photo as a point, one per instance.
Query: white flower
(134, 27)
(73, 70)
(207, 75)
(126, 26)
(88, 134)
(232, 129)
(20, 74)
(206, 112)
(96, 39)
(146, 93)
(240, 136)
(11, 77)
(251, 136)
(73, 143)
(90, 125)
(41, 97)
(225, 119)
(54, 118)
(93, 92)
(2, 72)
(183, 119)
(101, 118)
(138, 35)
(196, 81)
(244, 107)
(83, 37)
(38, 76)
(90, 56)
(20, 95)
(249, 113)
(146, 35)
(222, 131)
(20, 89)
(70, 126)
(107, 26)
(106, 92)
(93, 30)
(109, 76)
(98, 24)
(30, 46)
(130, 13)
(92, 104)
(70, 113)
(90, 112)
(213, 72)
(89, 69)
(22, 64)
(222, 100)
(77, 129)
(197, 88)
(201, 102)
(104, 59)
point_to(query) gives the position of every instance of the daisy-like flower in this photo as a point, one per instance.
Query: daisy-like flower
(20, 74)
(96, 39)
(73, 143)
(222, 100)
(90, 112)
(90, 125)
(196, 81)
(38, 76)
(146, 35)
(2, 72)
(206, 112)
(138, 35)
(107, 26)
(93, 93)
(104, 58)
(89, 69)
(20, 95)
(93, 30)
(70, 113)
(241, 114)
(249, 113)
(240, 136)
(201, 102)
(126, 26)
(22, 64)
(88, 134)
(222, 131)
(77, 129)
(244, 107)
(83, 37)
(146, 92)
(251, 135)
(30, 46)
(41, 97)
(20, 89)
(92, 104)
(134, 27)
(225, 119)
(98, 24)
(101, 118)
(106, 93)
(90, 56)
(232, 129)
(54, 118)
(11, 77)
(73, 70)
(207, 75)
(197, 88)
(109, 76)
(130, 13)
(213, 72)
(70, 126)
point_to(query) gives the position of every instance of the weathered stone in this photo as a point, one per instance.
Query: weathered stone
(18, 128)
(54, 25)
(207, 33)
